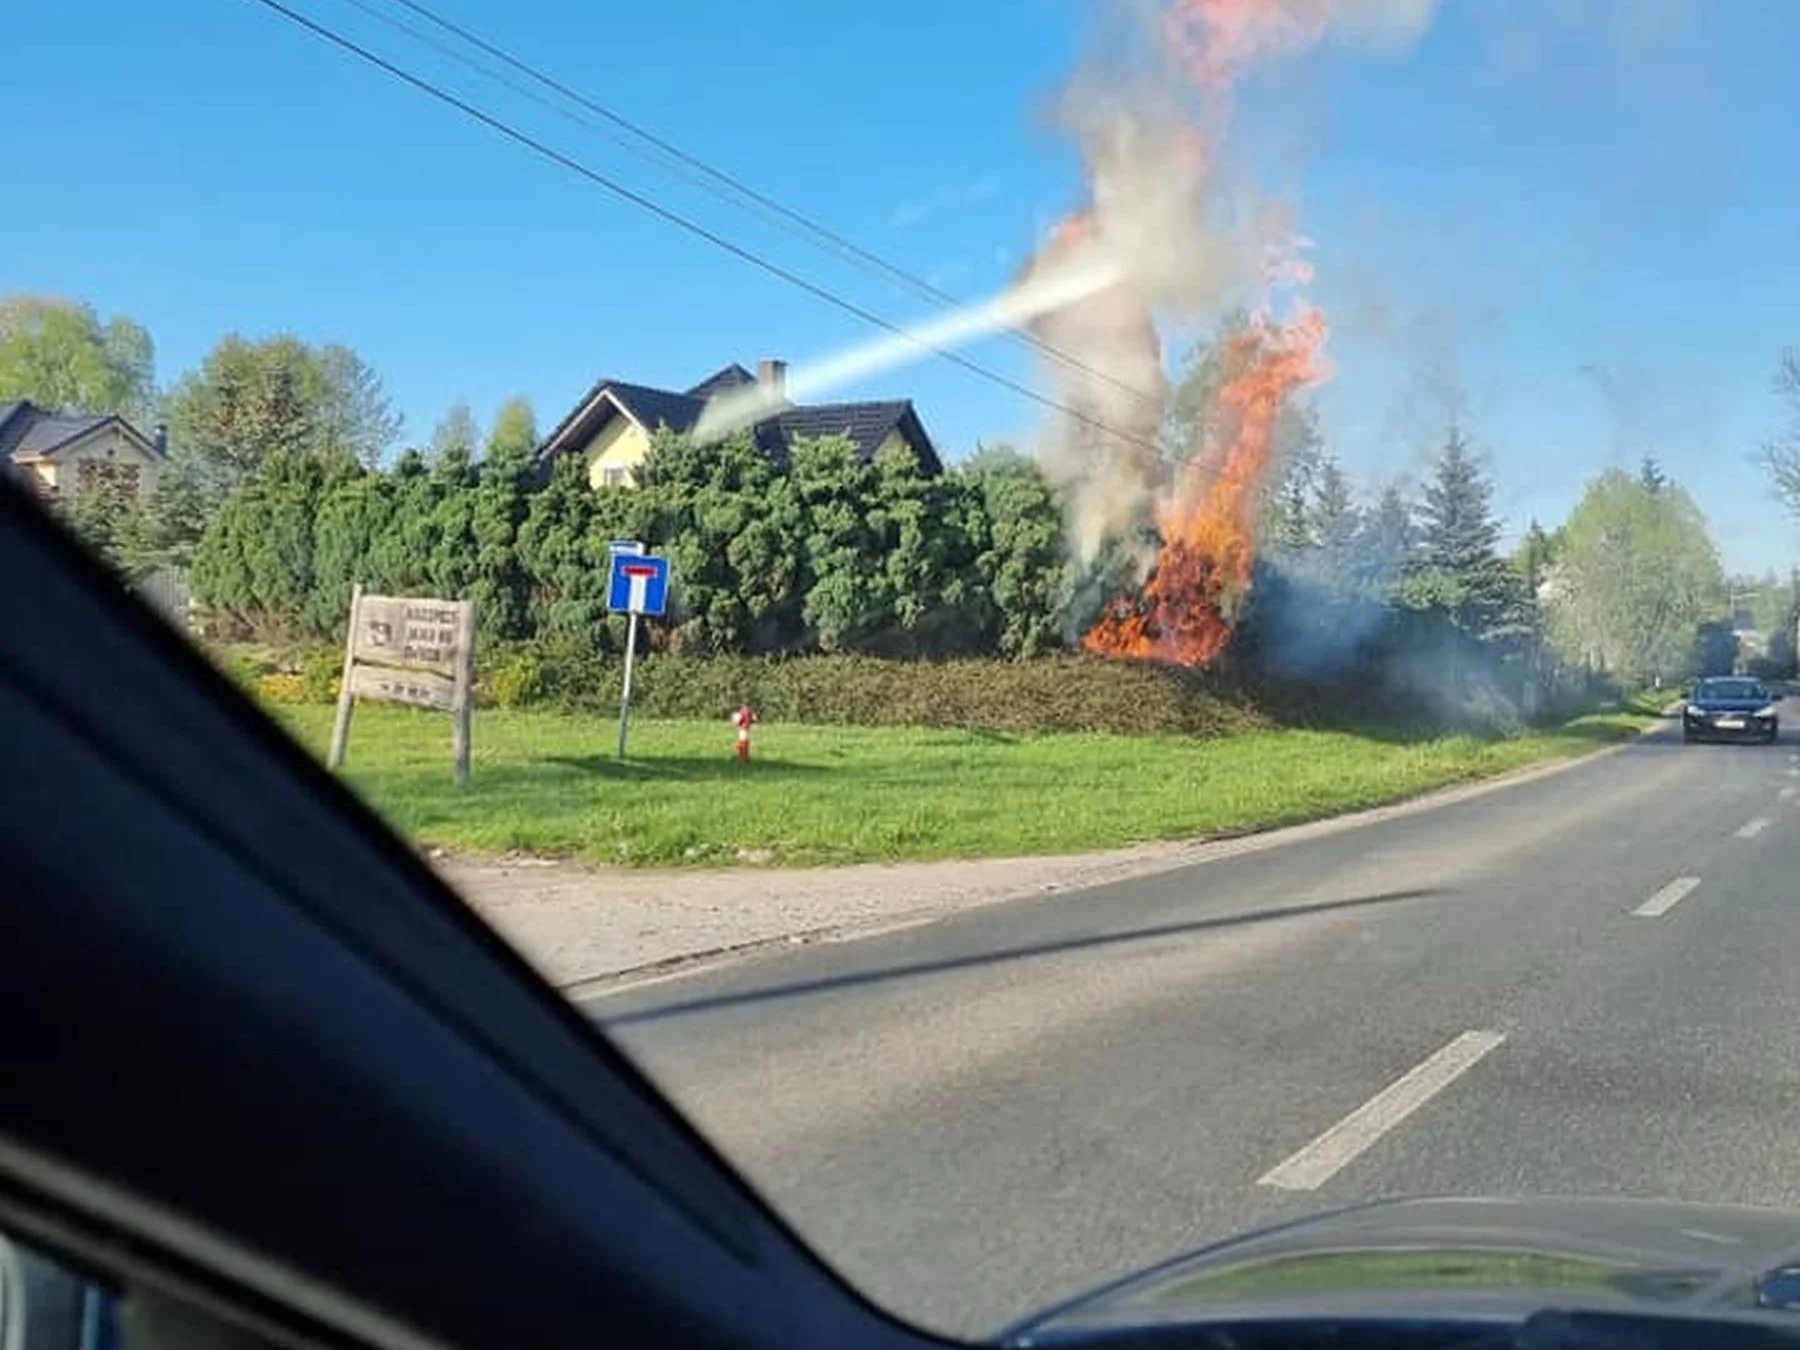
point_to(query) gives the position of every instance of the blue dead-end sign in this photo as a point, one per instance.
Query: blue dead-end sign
(639, 584)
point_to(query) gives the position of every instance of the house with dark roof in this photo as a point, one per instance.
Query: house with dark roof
(612, 425)
(64, 451)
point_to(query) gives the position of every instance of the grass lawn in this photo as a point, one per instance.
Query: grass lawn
(546, 783)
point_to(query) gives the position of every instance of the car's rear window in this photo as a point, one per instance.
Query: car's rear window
(1730, 689)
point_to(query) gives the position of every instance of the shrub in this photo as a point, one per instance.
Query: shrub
(281, 686)
(572, 674)
(1064, 694)
(515, 678)
(321, 668)
(244, 667)
(1071, 693)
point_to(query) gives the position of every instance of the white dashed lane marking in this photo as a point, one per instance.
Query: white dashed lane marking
(1667, 898)
(1751, 828)
(1787, 793)
(1359, 1131)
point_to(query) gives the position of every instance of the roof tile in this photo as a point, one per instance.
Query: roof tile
(28, 432)
(658, 407)
(15, 421)
(732, 376)
(866, 424)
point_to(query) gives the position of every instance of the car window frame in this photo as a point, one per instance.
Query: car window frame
(639, 1216)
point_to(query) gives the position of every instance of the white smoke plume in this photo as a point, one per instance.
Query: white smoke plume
(1164, 234)
(1385, 23)
(1151, 113)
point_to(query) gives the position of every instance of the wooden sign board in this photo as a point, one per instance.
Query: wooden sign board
(417, 687)
(414, 634)
(405, 649)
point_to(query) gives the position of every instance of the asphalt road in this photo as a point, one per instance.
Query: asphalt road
(981, 1115)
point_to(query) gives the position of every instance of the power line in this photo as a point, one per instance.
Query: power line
(682, 222)
(561, 110)
(833, 240)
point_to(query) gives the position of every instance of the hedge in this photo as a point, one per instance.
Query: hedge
(1057, 693)
(1071, 693)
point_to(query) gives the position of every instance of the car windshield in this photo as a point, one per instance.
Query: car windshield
(1070, 621)
(1732, 689)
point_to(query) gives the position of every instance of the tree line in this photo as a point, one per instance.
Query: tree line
(284, 491)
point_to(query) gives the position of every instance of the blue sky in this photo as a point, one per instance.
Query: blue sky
(1574, 229)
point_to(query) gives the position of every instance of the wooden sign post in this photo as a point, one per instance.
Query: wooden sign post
(402, 649)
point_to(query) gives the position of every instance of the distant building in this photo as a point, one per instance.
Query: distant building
(61, 452)
(612, 425)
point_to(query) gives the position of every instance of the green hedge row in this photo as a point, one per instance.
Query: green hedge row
(1071, 693)
(1059, 694)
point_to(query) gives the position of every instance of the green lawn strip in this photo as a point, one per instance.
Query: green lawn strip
(547, 783)
(1651, 702)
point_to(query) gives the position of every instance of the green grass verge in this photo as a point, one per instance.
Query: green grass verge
(1651, 702)
(547, 784)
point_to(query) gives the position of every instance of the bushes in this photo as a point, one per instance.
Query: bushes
(817, 551)
(280, 686)
(514, 678)
(1065, 694)
(1053, 694)
(282, 674)
(320, 670)
(1062, 693)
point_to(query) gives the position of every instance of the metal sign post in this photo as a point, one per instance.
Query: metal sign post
(639, 584)
(625, 688)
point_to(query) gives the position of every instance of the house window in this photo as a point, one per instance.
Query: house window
(613, 476)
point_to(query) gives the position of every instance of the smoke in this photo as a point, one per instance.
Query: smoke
(1086, 272)
(1150, 112)
(1388, 24)
(1168, 235)
(1357, 655)
(1103, 455)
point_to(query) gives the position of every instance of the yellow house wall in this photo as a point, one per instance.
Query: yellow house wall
(623, 444)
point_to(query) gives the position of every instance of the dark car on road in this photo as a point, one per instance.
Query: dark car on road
(1730, 708)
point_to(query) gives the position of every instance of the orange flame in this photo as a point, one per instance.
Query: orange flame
(1190, 602)
(1188, 606)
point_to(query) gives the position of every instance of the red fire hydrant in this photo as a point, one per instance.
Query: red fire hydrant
(744, 720)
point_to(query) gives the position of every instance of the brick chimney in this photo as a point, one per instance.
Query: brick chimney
(772, 376)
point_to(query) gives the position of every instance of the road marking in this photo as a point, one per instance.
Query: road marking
(1322, 1159)
(1702, 1235)
(1787, 793)
(1750, 829)
(1793, 771)
(1667, 898)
